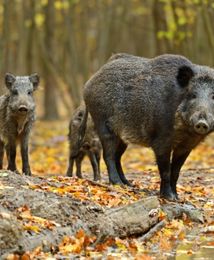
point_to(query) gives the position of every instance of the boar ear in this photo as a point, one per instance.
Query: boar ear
(185, 73)
(34, 78)
(9, 80)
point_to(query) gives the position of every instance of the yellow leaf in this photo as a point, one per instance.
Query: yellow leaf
(33, 228)
(165, 244)
(39, 19)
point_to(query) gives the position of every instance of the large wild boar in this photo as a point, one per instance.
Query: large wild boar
(17, 114)
(166, 103)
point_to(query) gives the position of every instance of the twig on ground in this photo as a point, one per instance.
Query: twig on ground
(152, 231)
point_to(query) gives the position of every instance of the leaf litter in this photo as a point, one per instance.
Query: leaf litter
(49, 152)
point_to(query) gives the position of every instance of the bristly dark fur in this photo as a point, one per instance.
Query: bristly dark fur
(83, 140)
(156, 102)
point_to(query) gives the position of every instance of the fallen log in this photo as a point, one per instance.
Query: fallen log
(133, 219)
(177, 210)
(71, 214)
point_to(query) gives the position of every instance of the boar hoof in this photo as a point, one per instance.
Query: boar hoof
(176, 196)
(126, 182)
(97, 179)
(175, 193)
(69, 174)
(116, 181)
(168, 195)
(28, 173)
(13, 170)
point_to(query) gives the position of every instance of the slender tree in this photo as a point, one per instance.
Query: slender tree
(50, 94)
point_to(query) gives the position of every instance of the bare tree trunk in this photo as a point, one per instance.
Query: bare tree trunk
(6, 35)
(21, 44)
(208, 16)
(162, 44)
(5, 41)
(104, 25)
(30, 17)
(50, 97)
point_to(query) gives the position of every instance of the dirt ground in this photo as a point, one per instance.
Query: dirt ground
(180, 238)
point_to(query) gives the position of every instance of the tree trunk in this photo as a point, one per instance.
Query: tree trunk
(30, 40)
(50, 95)
(5, 57)
(162, 44)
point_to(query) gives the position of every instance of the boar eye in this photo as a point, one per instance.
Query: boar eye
(213, 96)
(14, 92)
(29, 92)
(192, 96)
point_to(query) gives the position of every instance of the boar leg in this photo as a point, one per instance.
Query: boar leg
(69, 172)
(1, 154)
(24, 154)
(11, 155)
(95, 165)
(163, 162)
(119, 152)
(109, 143)
(79, 159)
(98, 156)
(178, 160)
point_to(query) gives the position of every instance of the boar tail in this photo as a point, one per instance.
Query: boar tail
(77, 130)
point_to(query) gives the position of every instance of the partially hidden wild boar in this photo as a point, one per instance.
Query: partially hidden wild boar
(17, 114)
(166, 103)
(83, 140)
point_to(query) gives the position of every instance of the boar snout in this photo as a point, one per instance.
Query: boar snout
(203, 122)
(23, 109)
(202, 127)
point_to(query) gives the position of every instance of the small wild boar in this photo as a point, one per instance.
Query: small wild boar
(83, 140)
(17, 114)
(166, 103)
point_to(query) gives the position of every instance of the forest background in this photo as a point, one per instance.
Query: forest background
(66, 41)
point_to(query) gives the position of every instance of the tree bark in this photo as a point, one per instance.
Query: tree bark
(162, 44)
(5, 53)
(50, 95)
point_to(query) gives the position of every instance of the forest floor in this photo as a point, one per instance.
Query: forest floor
(178, 239)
